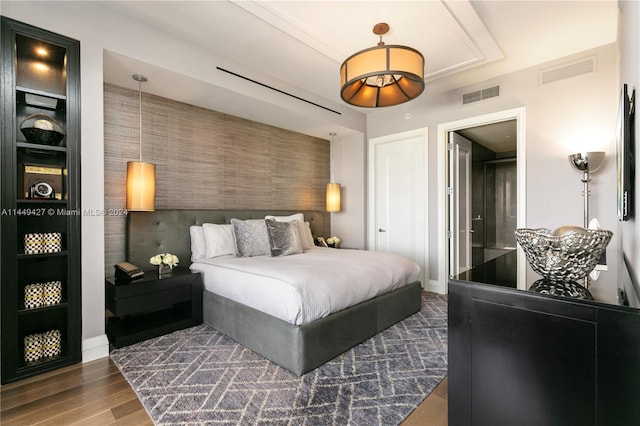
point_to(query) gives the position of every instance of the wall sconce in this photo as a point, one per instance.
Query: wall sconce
(141, 176)
(333, 189)
(586, 162)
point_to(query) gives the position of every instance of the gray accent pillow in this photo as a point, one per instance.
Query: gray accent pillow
(251, 237)
(284, 237)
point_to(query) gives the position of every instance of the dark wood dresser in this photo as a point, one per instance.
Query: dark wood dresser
(519, 357)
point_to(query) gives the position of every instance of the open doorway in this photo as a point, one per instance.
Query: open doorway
(487, 231)
(488, 196)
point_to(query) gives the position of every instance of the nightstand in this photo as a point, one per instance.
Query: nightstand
(152, 306)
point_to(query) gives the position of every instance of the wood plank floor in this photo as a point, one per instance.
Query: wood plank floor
(96, 393)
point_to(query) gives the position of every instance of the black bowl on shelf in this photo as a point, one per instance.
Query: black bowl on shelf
(42, 137)
(42, 130)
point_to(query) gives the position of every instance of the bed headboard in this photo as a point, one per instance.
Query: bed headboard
(167, 231)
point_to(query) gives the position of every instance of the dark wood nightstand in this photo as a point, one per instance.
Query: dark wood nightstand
(152, 306)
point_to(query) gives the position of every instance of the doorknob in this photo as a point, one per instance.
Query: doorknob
(382, 230)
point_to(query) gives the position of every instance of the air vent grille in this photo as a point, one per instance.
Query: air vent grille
(480, 95)
(574, 69)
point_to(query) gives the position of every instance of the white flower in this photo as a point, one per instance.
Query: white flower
(333, 240)
(165, 258)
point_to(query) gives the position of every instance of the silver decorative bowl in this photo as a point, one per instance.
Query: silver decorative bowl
(567, 254)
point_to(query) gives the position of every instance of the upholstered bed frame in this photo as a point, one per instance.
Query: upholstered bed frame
(299, 349)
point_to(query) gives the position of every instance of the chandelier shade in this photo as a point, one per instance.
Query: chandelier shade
(382, 75)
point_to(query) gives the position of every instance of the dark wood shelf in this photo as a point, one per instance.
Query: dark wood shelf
(40, 201)
(40, 310)
(52, 149)
(40, 366)
(56, 94)
(40, 93)
(21, 255)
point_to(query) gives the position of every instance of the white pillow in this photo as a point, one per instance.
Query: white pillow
(306, 236)
(307, 240)
(198, 245)
(219, 239)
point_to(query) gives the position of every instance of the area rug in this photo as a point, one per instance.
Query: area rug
(199, 376)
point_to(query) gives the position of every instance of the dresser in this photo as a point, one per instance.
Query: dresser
(521, 357)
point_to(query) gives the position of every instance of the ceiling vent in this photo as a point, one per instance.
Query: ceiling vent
(568, 70)
(480, 95)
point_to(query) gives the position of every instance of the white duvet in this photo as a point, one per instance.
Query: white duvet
(304, 287)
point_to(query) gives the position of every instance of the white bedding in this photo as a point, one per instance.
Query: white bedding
(304, 287)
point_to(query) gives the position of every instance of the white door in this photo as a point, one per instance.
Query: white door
(397, 196)
(460, 230)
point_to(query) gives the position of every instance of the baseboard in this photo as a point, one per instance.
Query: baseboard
(435, 287)
(95, 348)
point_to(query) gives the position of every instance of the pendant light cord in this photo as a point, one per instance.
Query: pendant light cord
(332, 163)
(140, 117)
(140, 79)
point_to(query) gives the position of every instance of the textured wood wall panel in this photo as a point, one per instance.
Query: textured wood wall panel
(205, 160)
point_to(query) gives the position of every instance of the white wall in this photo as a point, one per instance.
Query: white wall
(629, 41)
(350, 159)
(572, 115)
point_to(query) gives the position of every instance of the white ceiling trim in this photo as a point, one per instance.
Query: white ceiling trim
(460, 17)
(289, 25)
(474, 34)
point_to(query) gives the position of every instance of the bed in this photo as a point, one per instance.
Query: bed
(305, 339)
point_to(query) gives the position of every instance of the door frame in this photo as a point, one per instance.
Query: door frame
(454, 216)
(422, 133)
(517, 114)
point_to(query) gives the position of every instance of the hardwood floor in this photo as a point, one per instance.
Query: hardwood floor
(96, 393)
(433, 410)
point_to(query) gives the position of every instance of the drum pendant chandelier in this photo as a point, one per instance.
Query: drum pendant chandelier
(382, 75)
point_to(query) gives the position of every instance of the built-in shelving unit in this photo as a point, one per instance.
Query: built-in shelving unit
(40, 224)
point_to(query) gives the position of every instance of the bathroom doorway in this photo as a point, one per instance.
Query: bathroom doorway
(484, 192)
(444, 231)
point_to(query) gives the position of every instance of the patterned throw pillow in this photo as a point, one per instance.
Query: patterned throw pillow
(303, 227)
(251, 237)
(284, 237)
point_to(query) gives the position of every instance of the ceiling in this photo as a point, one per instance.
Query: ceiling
(298, 46)
(499, 137)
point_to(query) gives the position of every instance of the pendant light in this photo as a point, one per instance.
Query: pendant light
(382, 75)
(141, 176)
(333, 189)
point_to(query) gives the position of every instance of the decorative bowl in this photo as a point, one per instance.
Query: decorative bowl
(567, 254)
(42, 129)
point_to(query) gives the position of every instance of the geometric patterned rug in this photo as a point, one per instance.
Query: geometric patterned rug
(199, 376)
